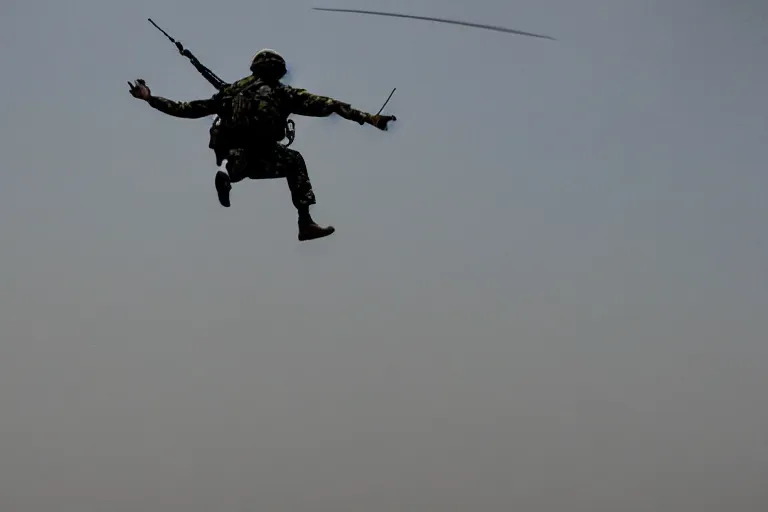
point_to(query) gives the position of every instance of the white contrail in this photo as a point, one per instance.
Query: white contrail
(440, 20)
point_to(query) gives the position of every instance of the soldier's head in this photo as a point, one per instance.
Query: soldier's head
(268, 64)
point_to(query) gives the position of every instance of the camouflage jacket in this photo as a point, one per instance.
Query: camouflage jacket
(252, 109)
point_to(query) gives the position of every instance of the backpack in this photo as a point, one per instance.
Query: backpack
(235, 120)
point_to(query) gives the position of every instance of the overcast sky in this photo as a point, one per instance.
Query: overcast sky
(548, 288)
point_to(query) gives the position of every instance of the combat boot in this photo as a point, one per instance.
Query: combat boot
(223, 186)
(312, 231)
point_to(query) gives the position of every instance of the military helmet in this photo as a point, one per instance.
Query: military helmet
(268, 59)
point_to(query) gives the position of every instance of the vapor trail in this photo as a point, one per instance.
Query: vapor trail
(439, 20)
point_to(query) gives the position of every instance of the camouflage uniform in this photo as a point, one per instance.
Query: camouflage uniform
(257, 123)
(261, 161)
(253, 113)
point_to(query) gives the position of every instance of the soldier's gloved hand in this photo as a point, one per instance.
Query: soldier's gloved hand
(140, 90)
(380, 121)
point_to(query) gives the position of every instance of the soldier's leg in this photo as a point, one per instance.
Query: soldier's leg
(237, 170)
(273, 162)
(290, 163)
(239, 162)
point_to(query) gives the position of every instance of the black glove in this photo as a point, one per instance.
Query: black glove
(380, 121)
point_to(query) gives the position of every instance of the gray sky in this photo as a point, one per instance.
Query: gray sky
(547, 290)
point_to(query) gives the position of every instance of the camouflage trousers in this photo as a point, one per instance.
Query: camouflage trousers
(270, 161)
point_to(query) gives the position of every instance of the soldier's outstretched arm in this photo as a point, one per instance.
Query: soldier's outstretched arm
(304, 103)
(184, 109)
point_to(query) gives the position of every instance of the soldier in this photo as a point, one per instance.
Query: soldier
(253, 113)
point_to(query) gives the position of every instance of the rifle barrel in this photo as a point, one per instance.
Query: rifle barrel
(161, 30)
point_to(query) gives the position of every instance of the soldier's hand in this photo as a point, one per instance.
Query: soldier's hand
(140, 90)
(380, 121)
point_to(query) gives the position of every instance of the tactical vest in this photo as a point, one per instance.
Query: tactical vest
(248, 114)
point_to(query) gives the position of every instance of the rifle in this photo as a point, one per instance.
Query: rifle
(209, 75)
